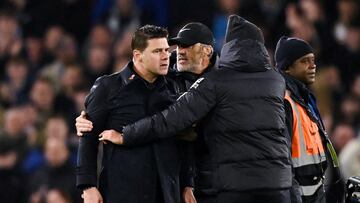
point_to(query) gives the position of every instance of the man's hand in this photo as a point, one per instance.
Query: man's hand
(188, 195)
(82, 124)
(92, 195)
(112, 136)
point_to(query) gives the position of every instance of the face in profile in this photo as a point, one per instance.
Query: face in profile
(304, 69)
(188, 57)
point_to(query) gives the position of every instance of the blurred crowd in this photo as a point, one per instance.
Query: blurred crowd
(51, 52)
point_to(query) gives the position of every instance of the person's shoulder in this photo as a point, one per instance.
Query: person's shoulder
(101, 89)
(101, 81)
(217, 73)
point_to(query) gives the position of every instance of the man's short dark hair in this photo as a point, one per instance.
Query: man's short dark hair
(143, 34)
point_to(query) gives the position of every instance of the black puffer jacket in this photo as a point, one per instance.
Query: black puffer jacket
(242, 111)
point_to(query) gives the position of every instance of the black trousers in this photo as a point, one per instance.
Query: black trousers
(263, 196)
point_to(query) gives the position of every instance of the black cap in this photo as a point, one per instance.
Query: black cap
(239, 28)
(193, 33)
(288, 50)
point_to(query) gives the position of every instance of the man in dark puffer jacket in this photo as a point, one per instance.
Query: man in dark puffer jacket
(242, 108)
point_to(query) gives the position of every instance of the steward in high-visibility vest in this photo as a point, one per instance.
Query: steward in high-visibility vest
(311, 150)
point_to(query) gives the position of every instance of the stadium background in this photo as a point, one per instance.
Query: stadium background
(52, 51)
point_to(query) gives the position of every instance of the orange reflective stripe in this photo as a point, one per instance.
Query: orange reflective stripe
(295, 145)
(311, 133)
(306, 145)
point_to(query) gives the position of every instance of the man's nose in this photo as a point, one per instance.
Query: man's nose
(165, 55)
(313, 65)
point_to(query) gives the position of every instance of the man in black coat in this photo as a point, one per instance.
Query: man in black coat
(145, 173)
(242, 109)
(195, 56)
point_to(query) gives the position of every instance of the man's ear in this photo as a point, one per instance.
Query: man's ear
(137, 55)
(208, 50)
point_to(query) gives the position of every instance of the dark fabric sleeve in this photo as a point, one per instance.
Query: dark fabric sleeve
(96, 109)
(187, 171)
(289, 120)
(295, 194)
(188, 109)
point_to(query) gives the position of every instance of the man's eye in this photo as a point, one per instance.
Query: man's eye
(306, 61)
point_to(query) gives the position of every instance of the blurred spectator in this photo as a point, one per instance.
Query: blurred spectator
(301, 27)
(14, 127)
(250, 10)
(18, 126)
(9, 31)
(45, 100)
(312, 10)
(100, 35)
(349, 110)
(42, 95)
(98, 63)
(122, 50)
(348, 54)
(80, 92)
(122, 15)
(66, 52)
(15, 87)
(355, 88)
(350, 159)
(52, 38)
(30, 116)
(342, 134)
(12, 187)
(347, 11)
(10, 37)
(34, 52)
(224, 9)
(352, 40)
(58, 172)
(56, 128)
(72, 77)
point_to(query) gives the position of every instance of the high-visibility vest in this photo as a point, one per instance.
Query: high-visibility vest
(307, 147)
